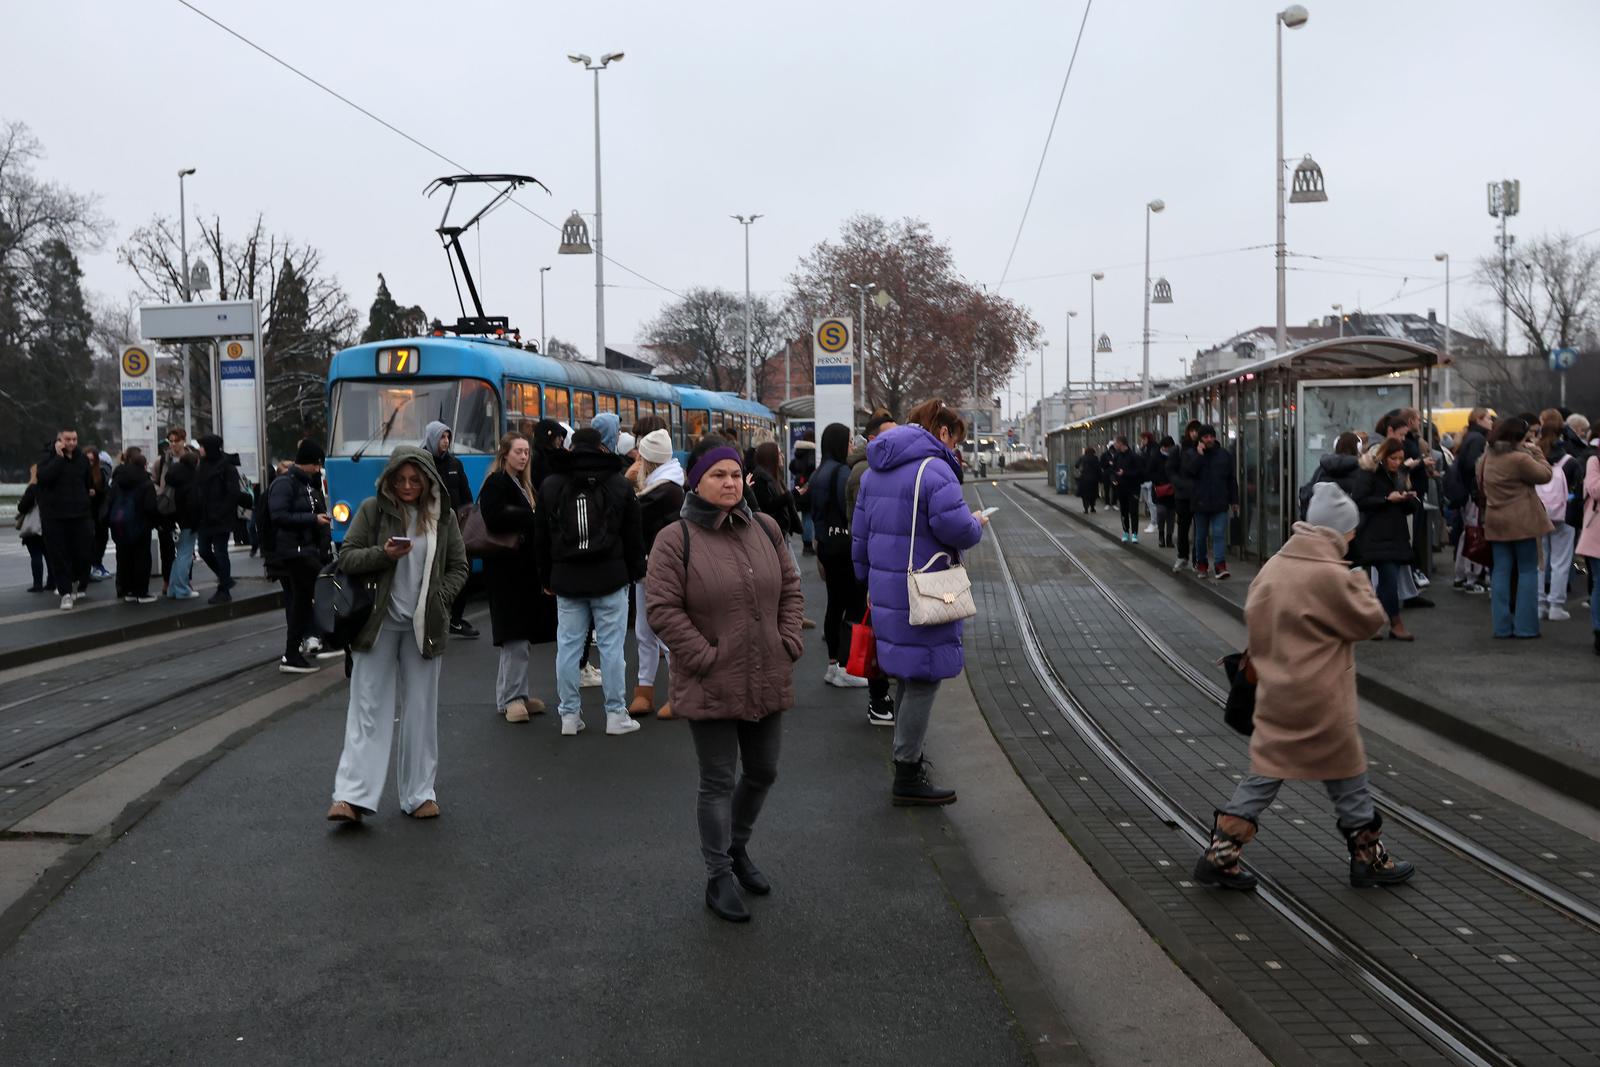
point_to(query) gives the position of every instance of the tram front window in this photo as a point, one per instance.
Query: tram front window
(377, 416)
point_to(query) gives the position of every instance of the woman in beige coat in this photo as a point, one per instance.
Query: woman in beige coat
(1305, 612)
(1513, 522)
(723, 595)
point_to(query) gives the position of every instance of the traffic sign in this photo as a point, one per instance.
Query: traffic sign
(137, 389)
(1562, 359)
(135, 361)
(833, 358)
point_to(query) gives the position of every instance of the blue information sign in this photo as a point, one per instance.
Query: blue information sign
(1562, 359)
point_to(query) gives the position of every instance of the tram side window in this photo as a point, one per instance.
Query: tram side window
(695, 425)
(522, 407)
(556, 404)
(606, 402)
(582, 409)
(476, 430)
(628, 410)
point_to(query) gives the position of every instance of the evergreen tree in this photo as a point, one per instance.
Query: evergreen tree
(387, 319)
(60, 354)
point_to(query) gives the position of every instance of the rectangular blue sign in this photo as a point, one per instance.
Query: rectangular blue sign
(838, 374)
(138, 398)
(238, 368)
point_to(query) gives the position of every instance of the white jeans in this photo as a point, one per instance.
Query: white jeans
(650, 647)
(1555, 549)
(369, 723)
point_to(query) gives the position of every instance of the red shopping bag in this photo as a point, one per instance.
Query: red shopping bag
(863, 659)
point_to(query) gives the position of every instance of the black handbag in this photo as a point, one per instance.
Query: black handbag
(341, 604)
(1240, 710)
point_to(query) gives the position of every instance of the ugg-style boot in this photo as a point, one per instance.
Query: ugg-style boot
(1219, 865)
(644, 700)
(1370, 862)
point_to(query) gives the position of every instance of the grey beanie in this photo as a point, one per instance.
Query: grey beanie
(1331, 507)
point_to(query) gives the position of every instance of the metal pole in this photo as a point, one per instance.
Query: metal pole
(749, 393)
(1505, 289)
(1066, 394)
(1447, 399)
(599, 239)
(862, 343)
(1282, 337)
(1042, 345)
(786, 383)
(1145, 374)
(1094, 348)
(183, 287)
(541, 310)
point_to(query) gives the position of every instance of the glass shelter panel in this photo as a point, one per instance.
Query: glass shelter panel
(1328, 409)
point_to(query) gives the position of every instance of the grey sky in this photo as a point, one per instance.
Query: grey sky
(936, 110)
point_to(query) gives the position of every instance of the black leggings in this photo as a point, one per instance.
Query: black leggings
(1185, 518)
(299, 581)
(839, 575)
(1129, 503)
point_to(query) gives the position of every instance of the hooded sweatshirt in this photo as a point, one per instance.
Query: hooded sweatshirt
(451, 472)
(134, 482)
(216, 494)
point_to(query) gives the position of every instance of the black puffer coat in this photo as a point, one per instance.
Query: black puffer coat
(512, 577)
(1383, 536)
(217, 495)
(294, 500)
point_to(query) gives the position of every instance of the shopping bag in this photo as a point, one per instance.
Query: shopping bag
(863, 658)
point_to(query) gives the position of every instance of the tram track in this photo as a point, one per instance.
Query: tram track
(1444, 1029)
(1395, 811)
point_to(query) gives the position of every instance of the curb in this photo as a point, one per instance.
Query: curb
(1546, 764)
(208, 615)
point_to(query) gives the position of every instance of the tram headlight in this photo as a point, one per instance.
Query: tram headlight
(341, 512)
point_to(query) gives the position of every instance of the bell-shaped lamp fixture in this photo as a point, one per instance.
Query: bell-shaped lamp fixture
(1104, 344)
(575, 236)
(1308, 187)
(199, 278)
(1161, 292)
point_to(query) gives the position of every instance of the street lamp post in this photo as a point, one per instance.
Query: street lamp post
(1042, 346)
(1444, 257)
(599, 240)
(1066, 396)
(861, 340)
(747, 222)
(1294, 16)
(1094, 338)
(1154, 207)
(1338, 310)
(183, 243)
(542, 338)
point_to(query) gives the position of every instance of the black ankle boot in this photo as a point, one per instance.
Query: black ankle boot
(748, 874)
(723, 898)
(1596, 639)
(912, 787)
(1370, 863)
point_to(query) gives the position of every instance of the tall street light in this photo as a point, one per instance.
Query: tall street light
(183, 243)
(1308, 185)
(1042, 346)
(861, 340)
(747, 222)
(599, 242)
(541, 310)
(1444, 257)
(1154, 207)
(1338, 310)
(1094, 340)
(1066, 396)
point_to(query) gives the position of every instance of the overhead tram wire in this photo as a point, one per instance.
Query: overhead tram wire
(1045, 152)
(1140, 263)
(392, 128)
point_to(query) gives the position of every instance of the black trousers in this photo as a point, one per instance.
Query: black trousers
(1128, 502)
(299, 581)
(68, 544)
(1185, 520)
(838, 573)
(214, 550)
(133, 568)
(167, 542)
(729, 803)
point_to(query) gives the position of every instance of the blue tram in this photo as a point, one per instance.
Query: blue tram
(384, 394)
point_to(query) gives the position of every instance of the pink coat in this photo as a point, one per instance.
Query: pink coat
(1589, 536)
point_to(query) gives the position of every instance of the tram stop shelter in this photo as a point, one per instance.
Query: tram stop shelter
(1277, 417)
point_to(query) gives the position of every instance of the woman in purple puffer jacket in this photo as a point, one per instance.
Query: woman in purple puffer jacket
(880, 535)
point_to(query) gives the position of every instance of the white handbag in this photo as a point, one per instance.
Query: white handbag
(935, 597)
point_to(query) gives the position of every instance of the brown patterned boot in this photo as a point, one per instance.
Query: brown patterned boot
(1219, 866)
(1370, 862)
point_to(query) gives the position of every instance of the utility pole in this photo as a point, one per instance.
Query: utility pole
(749, 363)
(183, 241)
(599, 237)
(1505, 200)
(541, 310)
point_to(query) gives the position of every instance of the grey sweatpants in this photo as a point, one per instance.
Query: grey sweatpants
(729, 802)
(369, 723)
(511, 680)
(913, 706)
(1352, 799)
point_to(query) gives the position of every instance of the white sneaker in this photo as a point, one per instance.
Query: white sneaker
(830, 674)
(845, 681)
(571, 725)
(1180, 565)
(80, 596)
(311, 646)
(1151, 528)
(619, 723)
(130, 600)
(589, 677)
(67, 601)
(1558, 613)
(146, 599)
(1544, 611)
(1422, 580)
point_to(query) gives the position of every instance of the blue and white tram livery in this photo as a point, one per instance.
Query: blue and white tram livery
(384, 394)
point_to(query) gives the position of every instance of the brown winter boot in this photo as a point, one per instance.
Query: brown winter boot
(644, 700)
(1219, 865)
(1370, 862)
(666, 711)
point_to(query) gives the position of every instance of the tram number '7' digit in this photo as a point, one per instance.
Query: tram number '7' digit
(404, 354)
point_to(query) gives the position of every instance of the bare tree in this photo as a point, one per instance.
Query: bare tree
(1552, 290)
(701, 338)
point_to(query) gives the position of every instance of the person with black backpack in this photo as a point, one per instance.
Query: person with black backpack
(131, 515)
(590, 550)
(293, 525)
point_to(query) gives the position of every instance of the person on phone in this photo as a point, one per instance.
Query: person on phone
(920, 657)
(1513, 521)
(406, 541)
(1127, 479)
(301, 543)
(66, 516)
(1383, 541)
(1216, 497)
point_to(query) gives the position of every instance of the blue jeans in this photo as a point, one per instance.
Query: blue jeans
(808, 529)
(1522, 555)
(182, 564)
(609, 616)
(1212, 525)
(1388, 574)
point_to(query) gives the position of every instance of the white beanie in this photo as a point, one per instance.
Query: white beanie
(656, 447)
(1331, 507)
(625, 443)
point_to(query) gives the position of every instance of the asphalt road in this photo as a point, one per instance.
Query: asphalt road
(552, 915)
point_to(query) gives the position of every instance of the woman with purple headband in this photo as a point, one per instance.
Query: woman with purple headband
(723, 595)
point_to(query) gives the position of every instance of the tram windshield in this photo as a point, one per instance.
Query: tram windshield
(361, 410)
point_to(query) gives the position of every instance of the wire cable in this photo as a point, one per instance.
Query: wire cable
(392, 128)
(1060, 98)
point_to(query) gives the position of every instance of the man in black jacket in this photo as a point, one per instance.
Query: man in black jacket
(590, 551)
(436, 440)
(214, 503)
(297, 512)
(1216, 497)
(66, 517)
(1180, 467)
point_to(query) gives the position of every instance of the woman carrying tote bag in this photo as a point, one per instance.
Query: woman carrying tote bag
(910, 525)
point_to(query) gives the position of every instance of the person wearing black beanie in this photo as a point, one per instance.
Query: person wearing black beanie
(310, 454)
(297, 543)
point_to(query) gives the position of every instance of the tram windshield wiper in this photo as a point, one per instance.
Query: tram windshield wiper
(388, 424)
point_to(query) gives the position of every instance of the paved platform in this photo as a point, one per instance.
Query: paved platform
(1534, 706)
(33, 627)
